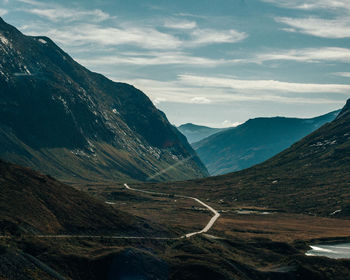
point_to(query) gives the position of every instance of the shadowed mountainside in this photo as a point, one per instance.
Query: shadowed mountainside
(254, 141)
(58, 117)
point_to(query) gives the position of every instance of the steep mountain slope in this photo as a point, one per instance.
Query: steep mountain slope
(254, 141)
(312, 176)
(58, 117)
(34, 203)
(195, 133)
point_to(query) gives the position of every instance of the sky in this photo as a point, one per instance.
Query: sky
(215, 63)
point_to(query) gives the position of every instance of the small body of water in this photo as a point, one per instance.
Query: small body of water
(250, 212)
(336, 251)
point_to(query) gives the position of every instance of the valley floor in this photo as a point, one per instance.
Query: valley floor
(246, 242)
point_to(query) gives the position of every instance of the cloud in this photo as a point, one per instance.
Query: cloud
(55, 12)
(325, 28)
(176, 24)
(59, 13)
(32, 2)
(227, 123)
(158, 100)
(177, 34)
(3, 12)
(176, 91)
(327, 54)
(156, 58)
(180, 91)
(264, 85)
(342, 74)
(336, 23)
(189, 15)
(200, 100)
(144, 37)
(212, 36)
(311, 4)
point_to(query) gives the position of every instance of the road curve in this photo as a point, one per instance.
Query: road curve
(204, 230)
(211, 209)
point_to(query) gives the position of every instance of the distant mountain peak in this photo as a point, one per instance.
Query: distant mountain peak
(254, 141)
(345, 111)
(194, 132)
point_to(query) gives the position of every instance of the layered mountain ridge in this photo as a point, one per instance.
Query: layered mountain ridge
(62, 119)
(311, 176)
(254, 141)
(195, 133)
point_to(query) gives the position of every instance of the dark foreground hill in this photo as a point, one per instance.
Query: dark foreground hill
(58, 117)
(312, 176)
(31, 203)
(195, 133)
(254, 141)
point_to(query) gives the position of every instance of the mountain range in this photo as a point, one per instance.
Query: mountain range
(64, 120)
(195, 133)
(311, 176)
(254, 141)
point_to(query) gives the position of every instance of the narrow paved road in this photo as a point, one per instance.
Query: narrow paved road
(205, 229)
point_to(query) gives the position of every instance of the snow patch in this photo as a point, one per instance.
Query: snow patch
(26, 70)
(110, 203)
(252, 212)
(79, 152)
(335, 212)
(174, 157)
(4, 40)
(42, 41)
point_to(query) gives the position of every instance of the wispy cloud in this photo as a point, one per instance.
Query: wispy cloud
(342, 74)
(3, 12)
(264, 85)
(189, 15)
(176, 24)
(156, 58)
(335, 24)
(144, 37)
(330, 54)
(59, 13)
(32, 2)
(55, 12)
(312, 4)
(169, 34)
(325, 28)
(212, 36)
(228, 123)
(158, 100)
(191, 89)
(200, 100)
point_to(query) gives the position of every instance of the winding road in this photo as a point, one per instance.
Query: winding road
(188, 235)
(205, 229)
